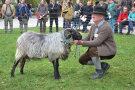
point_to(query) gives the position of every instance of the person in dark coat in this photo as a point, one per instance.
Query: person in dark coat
(87, 11)
(100, 42)
(53, 11)
(22, 14)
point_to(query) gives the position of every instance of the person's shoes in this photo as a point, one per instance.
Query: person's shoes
(85, 31)
(105, 67)
(120, 33)
(82, 31)
(127, 34)
(98, 74)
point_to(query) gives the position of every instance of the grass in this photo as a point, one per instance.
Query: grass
(38, 75)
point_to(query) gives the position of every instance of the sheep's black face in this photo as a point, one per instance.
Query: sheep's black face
(68, 33)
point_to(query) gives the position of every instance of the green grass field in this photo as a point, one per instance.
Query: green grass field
(38, 75)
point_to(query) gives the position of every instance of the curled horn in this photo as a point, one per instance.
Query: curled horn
(67, 33)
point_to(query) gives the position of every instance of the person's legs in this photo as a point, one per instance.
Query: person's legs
(110, 22)
(73, 25)
(44, 26)
(130, 27)
(21, 26)
(56, 22)
(77, 24)
(66, 23)
(11, 24)
(122, 23)
(69, 24)
(63, 22)
(85, 26)
(25, 24)
(6, 24)
(51, 23)
(113, 24)
(93, 52)
(41, 25)
(37, 22)
(85, 59)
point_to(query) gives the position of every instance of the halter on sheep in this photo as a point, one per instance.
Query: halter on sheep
(31, 45)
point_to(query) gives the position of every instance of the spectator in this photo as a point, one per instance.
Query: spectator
(69, 13)
(22, 14)
(117, 15)
(104, 5)
(64, 5)
(53, 11)
(127, 3)
(76, 16)
(37, 14)
(87, 11)
(123, 19)
(111, 13)
(100, 43)
(43, 11)
(8, 12)
(131, 19)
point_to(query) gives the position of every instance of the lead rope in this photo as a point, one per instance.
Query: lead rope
(77, 51)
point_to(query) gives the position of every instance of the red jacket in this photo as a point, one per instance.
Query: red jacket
(37, 15)
(122, 16)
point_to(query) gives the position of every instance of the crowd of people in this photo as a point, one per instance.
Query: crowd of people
(118, 15)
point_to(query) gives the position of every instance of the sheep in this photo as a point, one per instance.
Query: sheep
(32, 45)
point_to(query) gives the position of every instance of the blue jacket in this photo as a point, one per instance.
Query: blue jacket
(117, 13)
(131, 16)
(21, 10)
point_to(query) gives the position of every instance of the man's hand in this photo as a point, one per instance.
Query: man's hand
(85, 16)
(79, 42)
(118, 23)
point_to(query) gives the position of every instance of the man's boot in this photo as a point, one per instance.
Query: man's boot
(98, 74)
(105, 66)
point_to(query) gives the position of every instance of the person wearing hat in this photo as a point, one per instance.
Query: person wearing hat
(100, 43)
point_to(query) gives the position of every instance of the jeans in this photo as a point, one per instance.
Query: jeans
(75, 24)
(67, 23)
(130, 26)
(112, 22)
(37, 22)
(122, 23)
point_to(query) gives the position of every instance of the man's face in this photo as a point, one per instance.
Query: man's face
(125, 9)
(111, 1)
(53, 1)
(7, 2)
(88, 3)
(101, 1)
(97, 17)
(42, 1)
(133, 9)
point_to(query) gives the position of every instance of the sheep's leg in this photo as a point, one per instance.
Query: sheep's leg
(13, 68)
(56, 69)
(22, 63)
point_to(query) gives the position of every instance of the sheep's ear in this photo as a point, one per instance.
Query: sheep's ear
(67, 33)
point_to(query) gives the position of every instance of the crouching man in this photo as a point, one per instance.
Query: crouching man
(100, 43)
